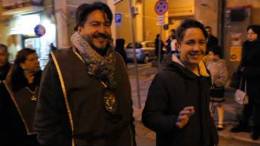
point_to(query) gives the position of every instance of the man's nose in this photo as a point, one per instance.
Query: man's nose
(196, 47)
(102, 28)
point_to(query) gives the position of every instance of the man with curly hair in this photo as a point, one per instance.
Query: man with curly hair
(85, 95)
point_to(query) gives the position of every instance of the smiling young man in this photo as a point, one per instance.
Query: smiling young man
(177, 106)
(85, 92)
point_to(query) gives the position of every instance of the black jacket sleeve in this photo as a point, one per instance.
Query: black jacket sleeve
(51, 122)
(155, 115)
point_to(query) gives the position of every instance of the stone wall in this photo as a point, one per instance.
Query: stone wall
(123, 30)
(206, 11)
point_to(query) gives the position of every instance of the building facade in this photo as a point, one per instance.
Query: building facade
(19, 18)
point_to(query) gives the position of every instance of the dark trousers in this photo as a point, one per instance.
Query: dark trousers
(246, 114)
(253, 90)
(251, 110)
(256, 118)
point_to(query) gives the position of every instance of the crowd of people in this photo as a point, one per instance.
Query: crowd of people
(83, 96)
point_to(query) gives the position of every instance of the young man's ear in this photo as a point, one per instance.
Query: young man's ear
(22, 66)
(178, 46)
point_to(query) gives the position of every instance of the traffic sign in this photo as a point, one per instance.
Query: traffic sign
(161, 7)
(118, 18)
(39, 30)
(160, 20)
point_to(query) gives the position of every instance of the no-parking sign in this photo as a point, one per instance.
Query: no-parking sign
(118, 18)
(161, 7)
(39, 30)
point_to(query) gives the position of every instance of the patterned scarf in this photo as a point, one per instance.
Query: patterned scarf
(101, 67)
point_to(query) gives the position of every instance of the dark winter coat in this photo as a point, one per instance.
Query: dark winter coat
(250, 68)
(4, 70)
(212, 43)
(18, 112)
(158, 47)
(82, 116)
(120, 48)
(12, 132)
(172, 89)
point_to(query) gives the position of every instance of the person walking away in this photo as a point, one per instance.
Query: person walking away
(219, 76)
(159, 47)
(120, 48)
(212, 42)
(85, 95)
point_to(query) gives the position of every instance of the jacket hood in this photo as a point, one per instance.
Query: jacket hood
(178, 66)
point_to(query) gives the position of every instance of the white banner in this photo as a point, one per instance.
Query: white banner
(116, 1)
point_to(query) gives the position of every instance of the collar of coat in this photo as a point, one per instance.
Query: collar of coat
(176, 64)
(101, 67)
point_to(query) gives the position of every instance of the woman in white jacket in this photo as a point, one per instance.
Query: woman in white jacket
(219, 75)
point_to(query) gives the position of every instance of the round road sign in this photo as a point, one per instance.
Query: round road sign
(39, 30)
(161, 7)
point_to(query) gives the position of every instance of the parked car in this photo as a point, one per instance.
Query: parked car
(144, 51)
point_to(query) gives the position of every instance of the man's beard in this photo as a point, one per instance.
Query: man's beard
(100, 50)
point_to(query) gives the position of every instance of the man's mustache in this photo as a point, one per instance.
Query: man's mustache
(102, 35)
(197, 53)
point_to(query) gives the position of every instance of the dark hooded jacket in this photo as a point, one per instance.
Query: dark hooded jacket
(172, 89)
(18, 111)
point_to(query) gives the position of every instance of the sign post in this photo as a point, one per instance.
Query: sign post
(132, 14)
(161, 7)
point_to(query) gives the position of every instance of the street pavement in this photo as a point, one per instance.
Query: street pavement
(146, 137)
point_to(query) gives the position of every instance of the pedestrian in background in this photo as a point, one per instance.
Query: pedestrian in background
(120, 48)
(177, 106)
(4, 100)
(219, 76)
(249, 69)
(22, 84)
(212, 41)
(171, 43)
(52, 47)
(159, 47)
(4, 63)
(171, 46)
(85, 95)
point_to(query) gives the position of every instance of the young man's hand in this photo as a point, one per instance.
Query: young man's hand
(184, 116)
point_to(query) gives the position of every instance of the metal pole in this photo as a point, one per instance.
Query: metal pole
(159, 51)
(221, 26)
(131, 12)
